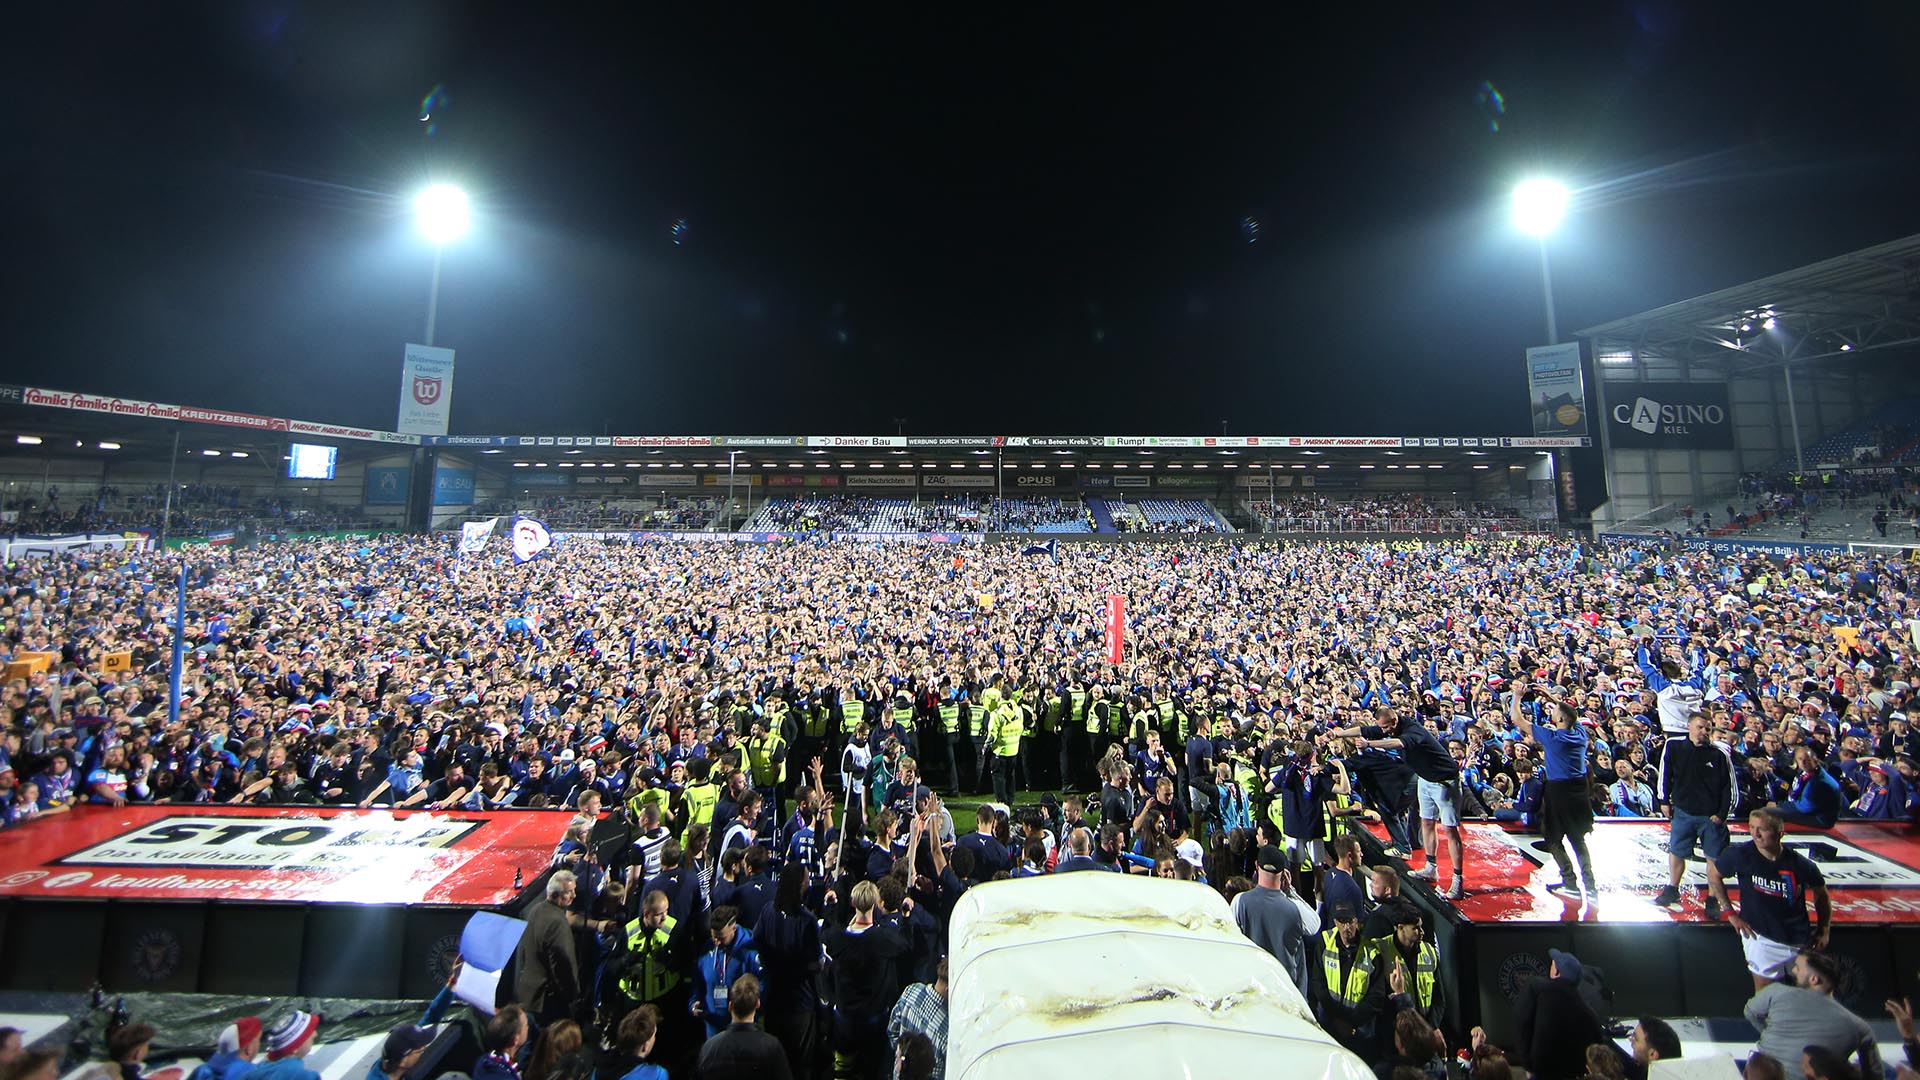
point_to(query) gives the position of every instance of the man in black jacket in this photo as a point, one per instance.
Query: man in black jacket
(1555, 1023)
(547, 981)
(1697, 785)
(742, 1051)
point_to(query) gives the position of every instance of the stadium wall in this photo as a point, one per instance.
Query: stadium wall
(1693, 470)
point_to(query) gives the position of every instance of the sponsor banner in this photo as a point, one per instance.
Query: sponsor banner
(1547, 442)
(737, 479)
(523, 478)
(654, 440)
(110, 406)
(452, 486)
(1160, 440)
(1035, 480)
(338, 431)
(1669, 416)
(655, 479)
(1096, 480)
(1057, 442)
(387, 485)
(11, 394)
(426, 390)
(307, 854)
(823, 479)
(1185, 482)
(1362, 442)
(785, 480)
(25, 546)
(1131, 481)
(601, 479)
(957, 441)
(468, 440)
(759, 440)
(1556, 392)
(857, 480)
(857, 441)
(957, 481)
(933, 538)
(1779, 549)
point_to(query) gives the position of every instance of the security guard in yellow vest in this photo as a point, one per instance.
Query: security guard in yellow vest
(1005, 727)
(767, 764)
(990, 700)
(1098, 724)
(701, 795)
(853, 713)
(953, 727)
(650, 969)
(1341, 981)
(1419, 969)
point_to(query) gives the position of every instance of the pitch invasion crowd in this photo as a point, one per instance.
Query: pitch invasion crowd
(776, 722)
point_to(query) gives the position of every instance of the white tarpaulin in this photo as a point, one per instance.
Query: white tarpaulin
(1118, 975)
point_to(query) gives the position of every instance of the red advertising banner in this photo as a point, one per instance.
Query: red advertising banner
(306, 855)
(1116, 626)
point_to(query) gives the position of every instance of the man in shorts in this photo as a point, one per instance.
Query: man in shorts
(1775, 882)
(1439, 789)
(1697, 785)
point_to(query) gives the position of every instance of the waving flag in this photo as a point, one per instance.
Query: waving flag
(1051, 549)
(474, 535)
(530, 538)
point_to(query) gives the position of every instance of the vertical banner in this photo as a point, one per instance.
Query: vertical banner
(1556, 391)
(452, 486)
(426, 391)
(1116, 626)
(387, 485)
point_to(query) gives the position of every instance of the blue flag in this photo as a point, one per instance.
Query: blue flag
(1051, 549)
(530, 538)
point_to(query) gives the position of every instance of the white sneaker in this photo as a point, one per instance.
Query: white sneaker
(1425, 873)
(1455, 891)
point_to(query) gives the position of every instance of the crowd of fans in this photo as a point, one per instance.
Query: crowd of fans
(775, 722)
(613, 513)
(1399, 512)
(196, 510)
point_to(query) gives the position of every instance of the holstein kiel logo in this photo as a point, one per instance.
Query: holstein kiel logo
(426, 390)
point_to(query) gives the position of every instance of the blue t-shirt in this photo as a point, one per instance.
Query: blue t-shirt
(1563, 751)
(1773, 895)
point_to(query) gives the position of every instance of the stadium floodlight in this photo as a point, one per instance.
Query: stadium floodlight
(1538, 205)
(27, 440)
(443, 213)
(109, 446)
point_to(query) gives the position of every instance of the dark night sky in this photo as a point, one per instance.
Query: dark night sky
(990, 224)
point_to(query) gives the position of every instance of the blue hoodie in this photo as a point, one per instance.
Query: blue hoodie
(1818, 796)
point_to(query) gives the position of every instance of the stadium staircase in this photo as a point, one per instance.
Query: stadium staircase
(1102, 520)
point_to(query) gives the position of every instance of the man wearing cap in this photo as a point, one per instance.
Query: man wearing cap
(1341, 981)
(1555, 1023)
(401, 1052)
(1275, 917)
(288, 1042)
(1406, 970)
(234, 1051)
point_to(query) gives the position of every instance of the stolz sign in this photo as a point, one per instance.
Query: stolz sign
(1669, 416)
(235, 843)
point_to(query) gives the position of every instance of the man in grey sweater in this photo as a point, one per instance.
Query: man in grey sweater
(1276, 917)
(1792, 1018)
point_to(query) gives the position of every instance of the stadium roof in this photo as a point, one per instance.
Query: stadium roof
(1859, 302)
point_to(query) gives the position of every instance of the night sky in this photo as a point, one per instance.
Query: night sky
(994, 223)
